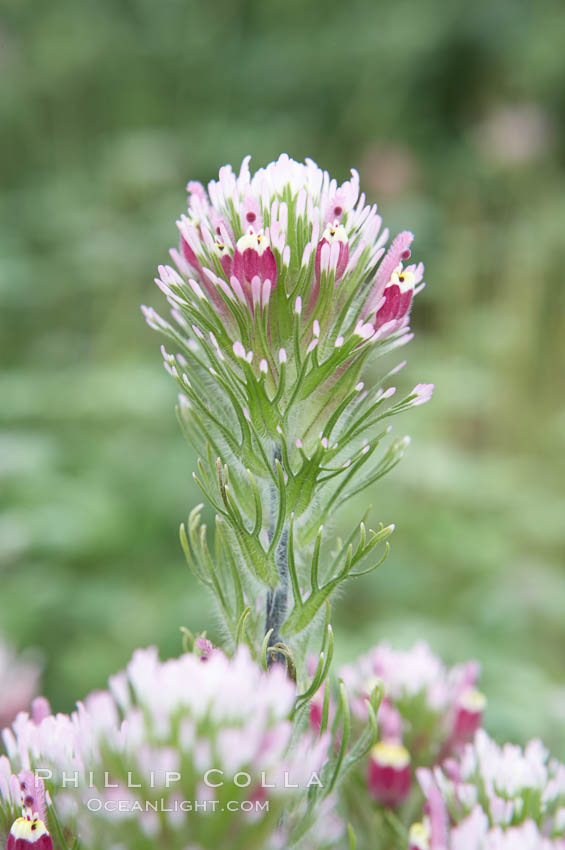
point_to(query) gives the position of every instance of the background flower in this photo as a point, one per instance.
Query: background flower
(153, 737)
(19, 681)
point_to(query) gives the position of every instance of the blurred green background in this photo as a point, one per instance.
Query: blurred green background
(454, 114)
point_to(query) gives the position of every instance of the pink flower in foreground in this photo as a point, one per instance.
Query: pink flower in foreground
(179, 716)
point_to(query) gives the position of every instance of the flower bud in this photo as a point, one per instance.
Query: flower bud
(29, 834)
(203, 648)
(389, 777)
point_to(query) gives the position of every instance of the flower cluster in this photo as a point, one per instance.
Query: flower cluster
(285, 259)
(433, 758)
(167, 744)
(428, 712)
(496, 797)
(282, 288)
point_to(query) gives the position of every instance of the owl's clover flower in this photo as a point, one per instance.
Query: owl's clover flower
(282, 288)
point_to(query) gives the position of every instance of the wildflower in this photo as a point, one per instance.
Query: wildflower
(389, 777)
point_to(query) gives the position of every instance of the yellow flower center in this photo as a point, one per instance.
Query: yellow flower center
(335, 233)
(403, 279)
(390, 754)
(473, 700)
(30, 830)
(419, 836)
(257, 241)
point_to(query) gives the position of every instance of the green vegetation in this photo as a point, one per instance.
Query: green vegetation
(453, 113)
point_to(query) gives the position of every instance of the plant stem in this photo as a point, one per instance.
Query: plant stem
(277, 599)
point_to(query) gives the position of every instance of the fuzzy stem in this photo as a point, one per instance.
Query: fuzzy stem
(277, 599)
